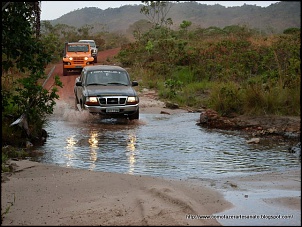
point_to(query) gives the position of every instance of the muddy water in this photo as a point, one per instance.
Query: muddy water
(169, 146)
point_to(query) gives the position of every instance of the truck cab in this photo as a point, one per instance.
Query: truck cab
(76, 56)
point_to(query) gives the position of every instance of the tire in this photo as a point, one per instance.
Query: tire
(95, 59)
(65, 72)
(134, 116)
(76, 103)
(82, 106)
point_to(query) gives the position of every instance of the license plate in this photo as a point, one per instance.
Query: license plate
(78, 66)
(112, 110)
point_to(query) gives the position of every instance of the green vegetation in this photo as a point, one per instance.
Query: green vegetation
(231, 70)
(24, 57)
(8, 208)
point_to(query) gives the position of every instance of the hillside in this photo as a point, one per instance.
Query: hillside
(274, 18)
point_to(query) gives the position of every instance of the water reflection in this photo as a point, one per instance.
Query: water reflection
(131, 152)
(171, 146)
(93, 141)
(70, 148)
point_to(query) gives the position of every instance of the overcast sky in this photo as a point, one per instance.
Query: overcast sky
(51, 10)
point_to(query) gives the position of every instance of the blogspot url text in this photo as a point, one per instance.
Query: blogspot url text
(240, 216)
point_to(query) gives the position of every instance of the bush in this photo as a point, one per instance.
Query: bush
(226, 98)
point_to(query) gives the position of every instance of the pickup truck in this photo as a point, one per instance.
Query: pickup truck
(76, 56)
(106, 90)
(94, 48)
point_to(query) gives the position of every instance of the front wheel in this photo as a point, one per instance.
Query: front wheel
(77, 105)
(65, 72)
(81, 105)
(134, 116)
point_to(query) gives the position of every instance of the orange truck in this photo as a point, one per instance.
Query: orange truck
(76, 56)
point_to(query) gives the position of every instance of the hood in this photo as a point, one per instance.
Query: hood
(99, 90)
(78, 54)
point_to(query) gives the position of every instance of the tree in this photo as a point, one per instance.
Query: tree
(184, 26)
(156, 12)
(24, 57)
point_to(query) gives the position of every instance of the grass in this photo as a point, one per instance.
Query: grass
(6, 211)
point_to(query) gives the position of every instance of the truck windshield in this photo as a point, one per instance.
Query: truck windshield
(91, 43)
(107, 77)
(77, 48)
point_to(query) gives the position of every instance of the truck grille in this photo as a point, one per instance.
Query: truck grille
(112, 100)
(78, 60)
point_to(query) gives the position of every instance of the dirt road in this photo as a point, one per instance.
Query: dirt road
(66, 93)
(149, 102)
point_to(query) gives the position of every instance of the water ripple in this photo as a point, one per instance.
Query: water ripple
(170, 146)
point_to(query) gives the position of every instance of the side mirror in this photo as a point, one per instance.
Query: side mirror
(79, 83)
(134, 83)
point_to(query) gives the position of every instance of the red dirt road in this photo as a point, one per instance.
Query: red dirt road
(148, 99)
(66, 93)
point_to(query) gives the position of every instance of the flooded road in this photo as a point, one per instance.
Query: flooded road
(168, 146)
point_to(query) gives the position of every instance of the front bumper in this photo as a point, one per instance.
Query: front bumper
(113, 110)
(67, 65)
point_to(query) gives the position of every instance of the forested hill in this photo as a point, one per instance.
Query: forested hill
(274, 18)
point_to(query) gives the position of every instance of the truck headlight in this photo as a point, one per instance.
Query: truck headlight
(70, 58)
(86, 58)
(132, 100)
(92, 101)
